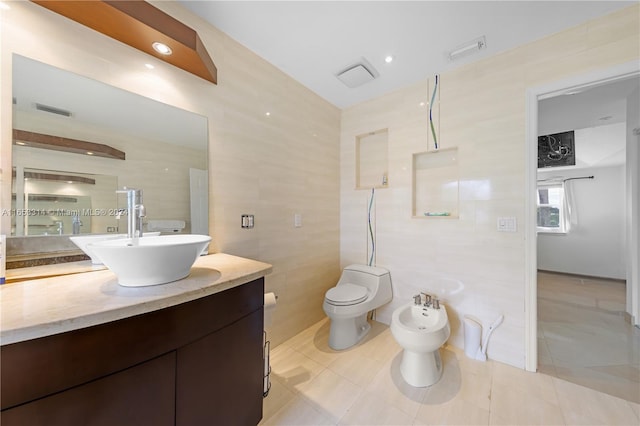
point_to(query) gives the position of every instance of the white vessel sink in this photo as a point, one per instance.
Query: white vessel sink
(150, 260)
(83, 241)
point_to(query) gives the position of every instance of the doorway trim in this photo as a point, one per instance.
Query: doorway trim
(533, 95)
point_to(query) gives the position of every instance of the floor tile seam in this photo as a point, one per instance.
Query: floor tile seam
(363, 386)
(275, 413)
(560, 405)
(362, 391)
(583, 306)
(586, 332)
(391, 402)
(629, 378)
(309, 403)
(600, 394)
(327, 414)
(467, 401)
(635, 411)
(292, 388)
(591, 365)
(495, 413)
(528, 397)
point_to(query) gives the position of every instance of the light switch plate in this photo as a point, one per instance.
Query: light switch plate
(247, 221)
(507, 224)
(297, 220)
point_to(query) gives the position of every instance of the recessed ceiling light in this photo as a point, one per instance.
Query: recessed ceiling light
(388, 59)
(161, 48)
(149, 66)
(20, 143)
(421, 104)
(267, 113)
(89, 153)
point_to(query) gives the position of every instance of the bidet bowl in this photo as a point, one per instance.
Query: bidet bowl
(84, 241)
(150, 260)
(420, 329)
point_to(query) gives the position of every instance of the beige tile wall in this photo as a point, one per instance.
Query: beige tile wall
(272, 167)
(476, 269)
(291, 161)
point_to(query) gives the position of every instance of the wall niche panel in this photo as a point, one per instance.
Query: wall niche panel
(372, 160)
(436, 184)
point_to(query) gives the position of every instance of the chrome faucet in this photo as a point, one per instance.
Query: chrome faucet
(427, 299)
(76, 223)
(135, 211)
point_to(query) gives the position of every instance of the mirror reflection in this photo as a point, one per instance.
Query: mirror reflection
(77, 140)
(60, 203)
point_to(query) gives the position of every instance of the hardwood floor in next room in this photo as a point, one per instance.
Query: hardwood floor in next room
(583, 336)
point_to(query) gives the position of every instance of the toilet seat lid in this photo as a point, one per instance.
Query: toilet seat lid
(346, 294)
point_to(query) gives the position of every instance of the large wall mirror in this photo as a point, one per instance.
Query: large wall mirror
(77, 140)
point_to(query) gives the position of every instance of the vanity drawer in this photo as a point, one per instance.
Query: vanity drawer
(37, 368)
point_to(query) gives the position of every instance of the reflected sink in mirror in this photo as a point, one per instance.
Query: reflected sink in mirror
(84, 242)
(148, 261)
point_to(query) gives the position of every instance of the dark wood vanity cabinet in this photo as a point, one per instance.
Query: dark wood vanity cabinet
(197, 363)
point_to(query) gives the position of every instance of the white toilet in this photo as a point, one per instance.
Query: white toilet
(360, 289)
(420, 330)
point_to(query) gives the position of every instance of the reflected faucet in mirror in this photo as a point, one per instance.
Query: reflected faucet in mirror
(135, 211)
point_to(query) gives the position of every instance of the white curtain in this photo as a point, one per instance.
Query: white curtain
(570, 216)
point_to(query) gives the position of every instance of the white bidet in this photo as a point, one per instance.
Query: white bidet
(420, 330)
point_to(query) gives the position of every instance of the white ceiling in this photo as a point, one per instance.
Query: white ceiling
(321, 47)
(312, 41)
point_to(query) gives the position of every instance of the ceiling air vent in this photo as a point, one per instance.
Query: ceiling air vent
(357, 74)
(53, 110)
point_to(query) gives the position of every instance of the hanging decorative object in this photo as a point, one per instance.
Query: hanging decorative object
(556, 150)
(371, 234)
(431, 107)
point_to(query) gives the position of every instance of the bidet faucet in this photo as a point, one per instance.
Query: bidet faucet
(135, 211)
(427, 299)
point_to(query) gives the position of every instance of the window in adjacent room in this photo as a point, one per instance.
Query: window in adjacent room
(551, 214)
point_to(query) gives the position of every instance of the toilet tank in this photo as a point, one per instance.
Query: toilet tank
(377, 280)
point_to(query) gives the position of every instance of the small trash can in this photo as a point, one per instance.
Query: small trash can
(472, 337)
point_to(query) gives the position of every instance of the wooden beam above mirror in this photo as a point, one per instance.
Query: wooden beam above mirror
(56, 177)
(139, 25)
(58, 143)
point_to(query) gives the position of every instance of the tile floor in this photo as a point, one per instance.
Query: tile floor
(314, 385)
(583, 337)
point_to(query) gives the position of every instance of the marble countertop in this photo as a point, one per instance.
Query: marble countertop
(51, 270)
(43, 307)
